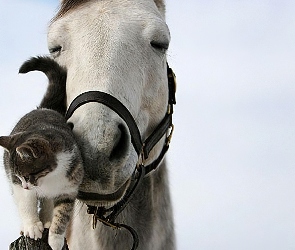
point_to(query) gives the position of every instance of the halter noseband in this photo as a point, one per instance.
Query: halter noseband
(142, 148)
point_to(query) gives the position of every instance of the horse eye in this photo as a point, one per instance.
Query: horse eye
(55, 50)
(160, 46)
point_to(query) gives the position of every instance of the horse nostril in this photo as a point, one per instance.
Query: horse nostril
(121, 145)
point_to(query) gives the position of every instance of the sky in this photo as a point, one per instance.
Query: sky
(231, 160)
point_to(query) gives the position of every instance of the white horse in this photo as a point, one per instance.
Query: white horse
(117, 47)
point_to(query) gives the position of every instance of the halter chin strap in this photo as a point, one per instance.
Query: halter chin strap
(142, 148)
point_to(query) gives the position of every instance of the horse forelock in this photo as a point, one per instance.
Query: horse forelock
(69, 5)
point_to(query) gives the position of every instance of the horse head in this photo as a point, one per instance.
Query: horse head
(119, 48)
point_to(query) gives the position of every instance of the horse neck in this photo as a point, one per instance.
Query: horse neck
(149, 213)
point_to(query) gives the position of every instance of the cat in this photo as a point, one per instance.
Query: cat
(43, 162)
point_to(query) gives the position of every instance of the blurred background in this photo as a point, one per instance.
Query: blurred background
(231, 161)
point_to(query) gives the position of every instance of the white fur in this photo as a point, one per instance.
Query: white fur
(56, 182)
(26, 201)
(56, 241)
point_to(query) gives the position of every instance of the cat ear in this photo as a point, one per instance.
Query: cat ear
(24, 151)
(33, 148)
(8, 142)
(5, 142)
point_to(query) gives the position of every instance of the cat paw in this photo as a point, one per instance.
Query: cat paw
(33, 230)
(47, 224)
(56, 241)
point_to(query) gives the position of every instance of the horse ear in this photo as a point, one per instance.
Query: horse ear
(161, 6)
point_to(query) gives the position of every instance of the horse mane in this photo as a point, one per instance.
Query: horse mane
(69, 5)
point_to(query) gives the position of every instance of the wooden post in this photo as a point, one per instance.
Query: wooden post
(26, 243)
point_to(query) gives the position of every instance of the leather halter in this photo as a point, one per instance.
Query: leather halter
(108, 215)
(142, 148)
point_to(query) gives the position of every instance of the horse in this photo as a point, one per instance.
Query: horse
(114, 52)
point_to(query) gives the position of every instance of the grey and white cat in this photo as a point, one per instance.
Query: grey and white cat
(43, 161)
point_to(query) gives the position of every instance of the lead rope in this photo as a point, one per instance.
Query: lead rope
(99, 213)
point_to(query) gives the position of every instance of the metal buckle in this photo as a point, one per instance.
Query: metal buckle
(169, 109)
(169, 137)
(141, 159)
(172, 75)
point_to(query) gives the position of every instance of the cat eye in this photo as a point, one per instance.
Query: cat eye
(37, 172)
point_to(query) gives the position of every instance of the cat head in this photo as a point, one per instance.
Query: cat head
(31, 157)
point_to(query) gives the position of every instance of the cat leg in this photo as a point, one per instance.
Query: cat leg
(26, 201)
(45, 213)
(63, 209)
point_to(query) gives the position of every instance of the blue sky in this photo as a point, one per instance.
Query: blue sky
(232, 156)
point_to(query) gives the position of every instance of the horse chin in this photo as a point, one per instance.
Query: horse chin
(108, 189)
(103, 200)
